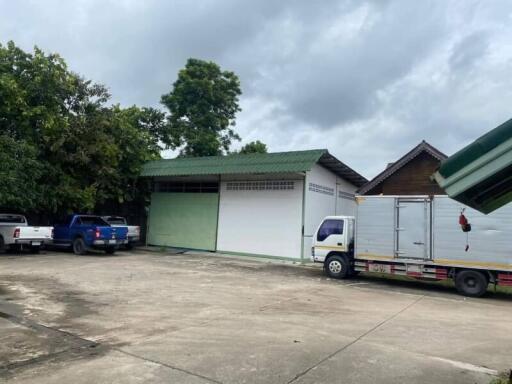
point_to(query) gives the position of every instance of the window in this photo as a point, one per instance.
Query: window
(116, 220)
(12, 219)
(329, 227)
(188, 187)
(91, 220)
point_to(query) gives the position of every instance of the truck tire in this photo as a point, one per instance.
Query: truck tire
(337, 267)
(2, 245)
(110, 250)
(471, 283)
(79, 246)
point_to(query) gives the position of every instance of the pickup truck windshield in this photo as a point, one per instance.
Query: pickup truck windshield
(91, 220)
(12, 219)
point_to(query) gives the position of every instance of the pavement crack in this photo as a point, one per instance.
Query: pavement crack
(374, 328)
(167, 365)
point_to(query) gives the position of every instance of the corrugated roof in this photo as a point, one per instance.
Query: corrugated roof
(480, 174)
(478, 148)
(279, 162)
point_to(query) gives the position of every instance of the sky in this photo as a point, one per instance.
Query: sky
(368, 80)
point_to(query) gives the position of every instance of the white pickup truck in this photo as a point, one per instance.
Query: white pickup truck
(15, 233)
(133, 230)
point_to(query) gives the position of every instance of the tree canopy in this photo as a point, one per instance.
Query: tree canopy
(254, 147)
(66, 148)
(203, 105)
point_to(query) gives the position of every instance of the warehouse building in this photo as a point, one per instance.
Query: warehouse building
(257, 204)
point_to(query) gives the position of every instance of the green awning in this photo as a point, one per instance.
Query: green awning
(480, 175)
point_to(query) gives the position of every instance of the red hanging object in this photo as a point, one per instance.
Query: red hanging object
(465, 226)
(462, 220)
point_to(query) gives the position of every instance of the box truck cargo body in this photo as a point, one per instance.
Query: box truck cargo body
(421, 236)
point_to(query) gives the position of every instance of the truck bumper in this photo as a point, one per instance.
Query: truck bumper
(133, 239)
(108, 243)
(33, 242)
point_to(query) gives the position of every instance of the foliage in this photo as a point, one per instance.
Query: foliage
(80, 151)
(19, 172)
(203, 104)
(254, 147)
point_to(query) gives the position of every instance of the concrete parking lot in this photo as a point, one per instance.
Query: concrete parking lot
(147, 317)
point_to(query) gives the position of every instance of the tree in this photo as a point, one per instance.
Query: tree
(254, 147)
(86, 153)
(203, 104)
(19, 173)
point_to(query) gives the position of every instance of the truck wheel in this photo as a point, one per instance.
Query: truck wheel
(471, 283)
(337, 267)
(2, 245)
(79, 246)
(110, 250)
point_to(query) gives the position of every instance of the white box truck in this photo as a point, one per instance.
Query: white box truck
(431, 237)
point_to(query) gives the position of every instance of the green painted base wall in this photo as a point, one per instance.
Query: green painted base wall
(183, 220)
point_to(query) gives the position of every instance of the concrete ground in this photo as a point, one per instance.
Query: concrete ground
(145, 317)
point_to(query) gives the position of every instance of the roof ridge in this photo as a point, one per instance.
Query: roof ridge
(412, 154)
(241, 154)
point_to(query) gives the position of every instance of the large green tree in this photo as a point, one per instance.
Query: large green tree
(87, 153)
(203, 105)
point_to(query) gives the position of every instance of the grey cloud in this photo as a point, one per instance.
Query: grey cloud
(366, 79)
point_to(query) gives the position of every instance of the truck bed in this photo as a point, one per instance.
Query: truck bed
(420, 230)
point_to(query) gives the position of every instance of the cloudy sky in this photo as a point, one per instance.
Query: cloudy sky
(366, 79)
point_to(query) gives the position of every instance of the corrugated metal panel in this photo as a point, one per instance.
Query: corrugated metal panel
(298, 161)
(480, 175)
(478, 148)
(282, 162)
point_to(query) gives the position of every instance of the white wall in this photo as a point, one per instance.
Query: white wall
(266, 222)
(345, 203)
(322, 199)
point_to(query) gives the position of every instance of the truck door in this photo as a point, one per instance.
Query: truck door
(330, 237)
(412, 228)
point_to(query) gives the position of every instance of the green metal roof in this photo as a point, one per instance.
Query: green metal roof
(280, 162)
(480, 175)
(476, 149)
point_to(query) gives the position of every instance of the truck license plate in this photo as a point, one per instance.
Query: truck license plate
(111, 241)
(36, 243)
(379, 268)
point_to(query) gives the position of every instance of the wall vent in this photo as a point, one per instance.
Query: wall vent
(265, 185)
(321, 189)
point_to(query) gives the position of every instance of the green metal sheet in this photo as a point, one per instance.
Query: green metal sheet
(480, 175)
(297, 161)
(183, 220)
(257, 163)
(478, 148)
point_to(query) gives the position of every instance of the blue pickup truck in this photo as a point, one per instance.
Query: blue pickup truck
(84, 232)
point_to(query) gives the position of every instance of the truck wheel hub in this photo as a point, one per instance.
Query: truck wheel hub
(335, 266)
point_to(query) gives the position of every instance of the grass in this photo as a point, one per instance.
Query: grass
(503, 378)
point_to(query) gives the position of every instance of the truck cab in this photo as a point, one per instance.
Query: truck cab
(333, 245)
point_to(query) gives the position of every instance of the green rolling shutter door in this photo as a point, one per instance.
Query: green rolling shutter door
(183, 220)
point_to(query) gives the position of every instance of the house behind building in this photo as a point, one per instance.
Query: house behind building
(409, 175)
